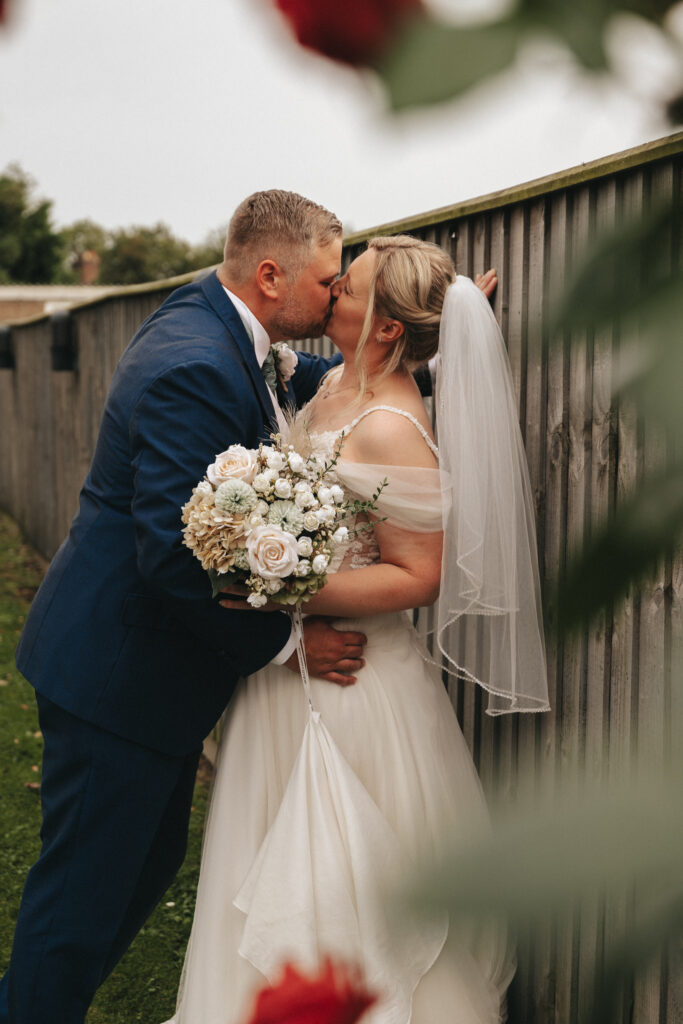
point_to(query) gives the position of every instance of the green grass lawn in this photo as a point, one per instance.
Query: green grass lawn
(143, 986)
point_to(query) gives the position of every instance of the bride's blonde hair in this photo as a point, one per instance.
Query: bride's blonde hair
(409, 285)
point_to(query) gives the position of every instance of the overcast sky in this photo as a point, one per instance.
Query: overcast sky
(138, 111)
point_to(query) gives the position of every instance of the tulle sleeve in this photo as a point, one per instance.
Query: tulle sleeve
(414, 498)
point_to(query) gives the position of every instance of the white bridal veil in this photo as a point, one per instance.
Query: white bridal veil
(489, 620)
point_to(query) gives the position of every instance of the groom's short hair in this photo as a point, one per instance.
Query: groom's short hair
(278, 225)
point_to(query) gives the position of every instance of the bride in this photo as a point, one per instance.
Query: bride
(317, 801)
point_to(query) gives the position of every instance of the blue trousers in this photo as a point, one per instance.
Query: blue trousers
(114, 833)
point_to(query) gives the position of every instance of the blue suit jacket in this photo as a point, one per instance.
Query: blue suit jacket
(123, 631)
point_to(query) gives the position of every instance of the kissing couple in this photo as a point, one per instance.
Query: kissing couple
(133, 661)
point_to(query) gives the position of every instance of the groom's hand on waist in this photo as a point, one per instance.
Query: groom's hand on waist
(331, 653)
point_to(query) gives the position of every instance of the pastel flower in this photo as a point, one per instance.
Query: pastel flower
(275, 459)
(303, 568)
(311, 521)
(320, 564)
(327, 515)
(337, 494)
(235, 496)
(240, 559)
(287, 516)
(261, 483)
(304, 546)
(236, 463)
(257, 600)
(283, 488)
(287, 360)
(272, 552)
(340, 535)
(325, 495)
(296, 462)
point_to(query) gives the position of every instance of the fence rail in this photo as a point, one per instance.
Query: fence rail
(612, 689)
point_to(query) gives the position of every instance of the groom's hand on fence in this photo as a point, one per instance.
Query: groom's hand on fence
(331, 654)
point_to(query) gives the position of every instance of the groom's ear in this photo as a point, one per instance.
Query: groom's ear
(269, 278)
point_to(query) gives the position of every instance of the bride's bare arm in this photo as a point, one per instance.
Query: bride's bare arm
(407, 577)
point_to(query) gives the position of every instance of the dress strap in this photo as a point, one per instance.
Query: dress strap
(400, 412)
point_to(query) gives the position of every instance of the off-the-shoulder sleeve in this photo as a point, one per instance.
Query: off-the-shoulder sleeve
(414, 498)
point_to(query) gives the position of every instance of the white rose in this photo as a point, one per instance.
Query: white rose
(311, 521)
(254, 520)
(301, 485)
(325, 495)
(303, 568)
(272, 552)
(304, 498)
(337, 494)
(272, 586)
(320, 564)
(296, 462)
(275, 459)
(261, 507)
(283, 488)
(257, 600)
(327, 515)
(261, 483)
(341, 535)
(304, 546)
(236, 463)
(287, 360)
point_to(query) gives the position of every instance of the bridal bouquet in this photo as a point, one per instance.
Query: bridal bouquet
(269, 518)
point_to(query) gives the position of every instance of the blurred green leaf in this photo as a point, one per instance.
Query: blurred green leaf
(622, 553)
(549, 862)
(433, 62)
(545, 861)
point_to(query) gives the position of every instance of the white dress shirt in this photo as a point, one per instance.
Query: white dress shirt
(259, 336)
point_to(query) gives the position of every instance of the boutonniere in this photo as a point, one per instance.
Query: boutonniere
(285, 362)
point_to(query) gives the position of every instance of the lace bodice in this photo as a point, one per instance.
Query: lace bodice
(362, 549)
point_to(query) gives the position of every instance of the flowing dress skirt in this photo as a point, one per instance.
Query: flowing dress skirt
(309, 812)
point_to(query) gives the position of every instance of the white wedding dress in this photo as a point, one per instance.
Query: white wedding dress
(316, 810)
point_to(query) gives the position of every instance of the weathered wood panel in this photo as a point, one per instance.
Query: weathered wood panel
(616, 690)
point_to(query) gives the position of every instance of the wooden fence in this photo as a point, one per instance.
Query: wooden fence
(612, 690)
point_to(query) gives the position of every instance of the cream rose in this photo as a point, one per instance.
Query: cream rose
(236, 463)
(272, 552)
(286, 360)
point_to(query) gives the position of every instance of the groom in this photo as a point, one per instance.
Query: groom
(131, 659)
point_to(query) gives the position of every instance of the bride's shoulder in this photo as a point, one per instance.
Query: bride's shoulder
(393, 431)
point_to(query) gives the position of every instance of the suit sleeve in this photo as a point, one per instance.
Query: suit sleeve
(182, 421)
(309, 372)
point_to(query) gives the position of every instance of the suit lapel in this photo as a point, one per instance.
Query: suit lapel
(215, 293)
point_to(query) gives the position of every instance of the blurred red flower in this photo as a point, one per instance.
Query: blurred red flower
(335, 996)
(3, 10)
(355, 31)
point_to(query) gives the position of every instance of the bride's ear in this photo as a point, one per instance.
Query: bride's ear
(389, 332)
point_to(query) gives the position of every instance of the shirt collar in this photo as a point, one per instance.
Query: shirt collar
(253, 327)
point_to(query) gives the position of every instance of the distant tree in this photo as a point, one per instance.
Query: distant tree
(137, 254)
(81, 237)
(30, 248)
(210, 251)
